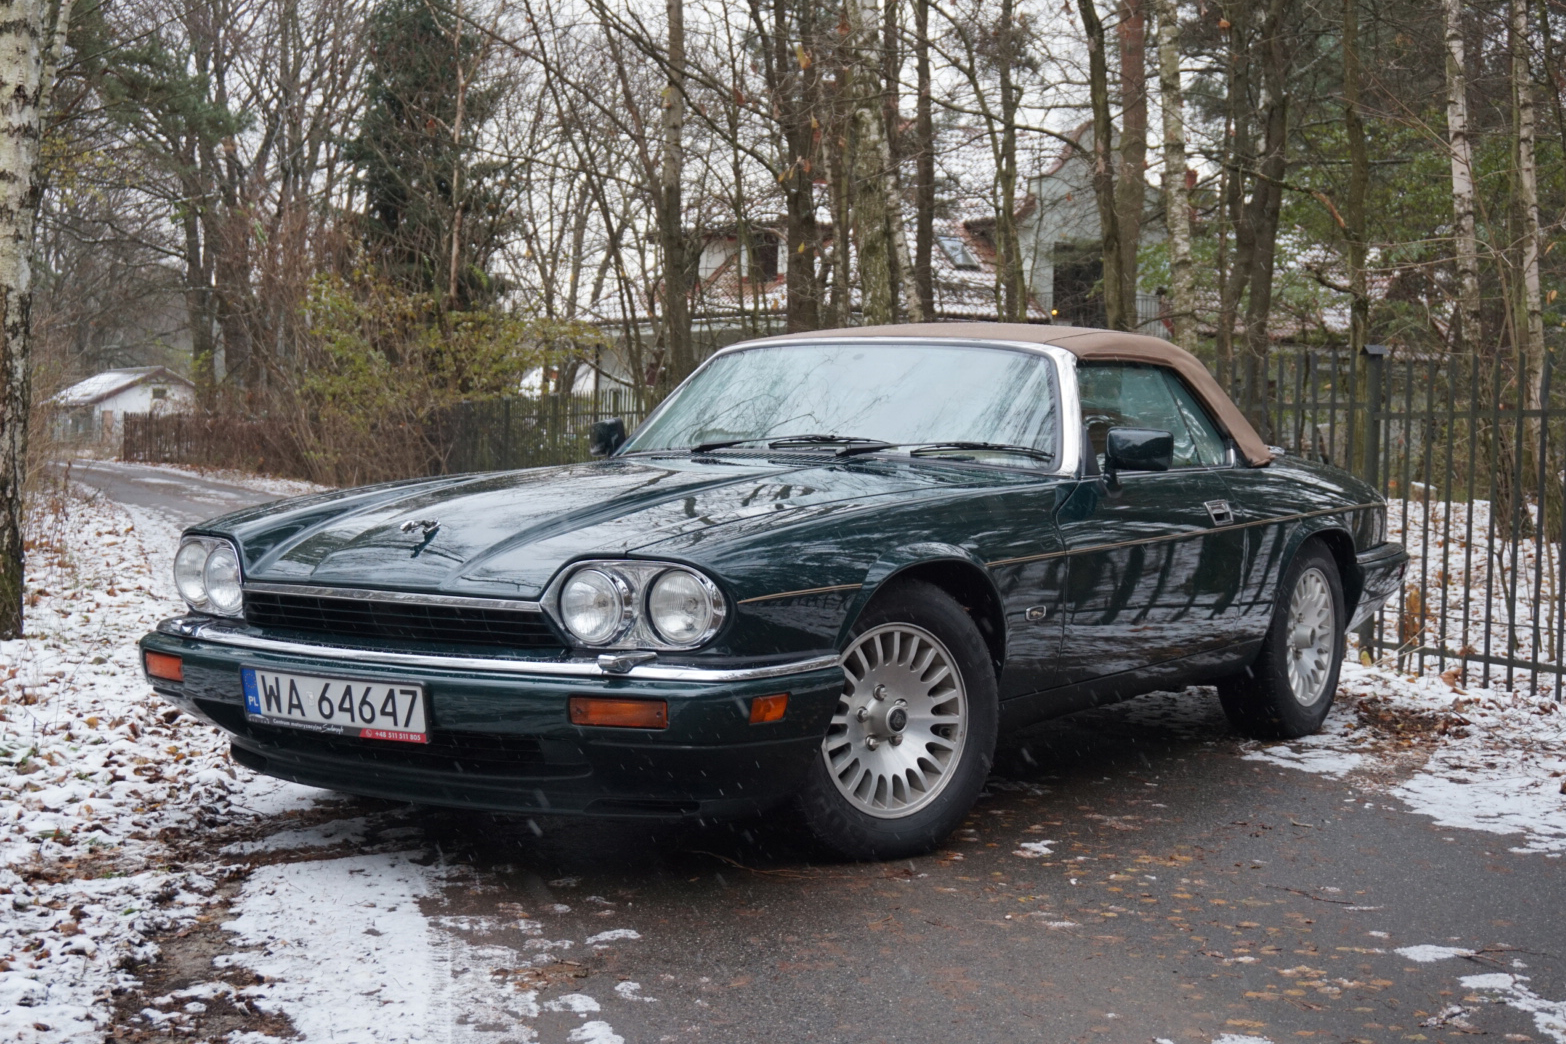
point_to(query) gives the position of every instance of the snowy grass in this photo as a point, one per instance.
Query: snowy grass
(1461, 574)
(95, 774)
(1491, 761)
(124, 821)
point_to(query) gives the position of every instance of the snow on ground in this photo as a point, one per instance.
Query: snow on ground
(1509, 988)
(94, 774)
(123, 821)
(1463, 570)
(1491, 761)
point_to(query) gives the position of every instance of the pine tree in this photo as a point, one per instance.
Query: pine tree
(434, 217)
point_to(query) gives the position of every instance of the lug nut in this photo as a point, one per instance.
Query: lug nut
(880, 692)
(862, 714)
(897, 740)
(871, 743)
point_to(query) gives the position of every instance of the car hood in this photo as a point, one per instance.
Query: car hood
(506, 534)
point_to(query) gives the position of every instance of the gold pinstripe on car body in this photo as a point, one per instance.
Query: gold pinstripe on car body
(1024, 559)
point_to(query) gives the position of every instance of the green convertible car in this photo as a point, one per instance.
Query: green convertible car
(830, 567)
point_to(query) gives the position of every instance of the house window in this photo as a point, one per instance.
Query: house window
(957, 253)
(765, 250)
(160, 393)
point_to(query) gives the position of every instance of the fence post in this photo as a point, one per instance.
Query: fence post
(1375, 360)
(1370, 459)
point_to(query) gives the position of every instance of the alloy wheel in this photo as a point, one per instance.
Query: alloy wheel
(1312, 636)
(899, 729)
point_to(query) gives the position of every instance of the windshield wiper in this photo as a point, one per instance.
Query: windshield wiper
(851, 445)
(997, 447)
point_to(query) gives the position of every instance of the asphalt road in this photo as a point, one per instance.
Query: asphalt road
(1182, 894)
(182, 497)
(1189, 894)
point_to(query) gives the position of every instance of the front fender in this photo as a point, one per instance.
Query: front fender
(948, 566)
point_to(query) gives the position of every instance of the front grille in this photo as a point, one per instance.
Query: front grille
(399, 621)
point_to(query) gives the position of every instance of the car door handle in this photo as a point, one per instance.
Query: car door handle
(1220, 512)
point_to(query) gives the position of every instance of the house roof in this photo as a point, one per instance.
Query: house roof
(960, 293)
(1092, 345)
(101, 386)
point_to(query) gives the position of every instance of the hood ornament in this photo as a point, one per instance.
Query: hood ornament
(427, 526)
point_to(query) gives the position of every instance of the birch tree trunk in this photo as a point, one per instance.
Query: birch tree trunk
(1466, 318)
(904, 288)
(1530, 326)
(884, 263)
(1103, 167)
(32, 37)
(1131, 179)
(1177, 205)
(924, 178)
(676, 298)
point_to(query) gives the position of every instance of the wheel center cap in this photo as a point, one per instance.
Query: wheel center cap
(884, 716)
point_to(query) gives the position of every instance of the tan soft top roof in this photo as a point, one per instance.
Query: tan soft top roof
(1091, 346)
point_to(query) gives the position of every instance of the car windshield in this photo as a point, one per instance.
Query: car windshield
(904, 394)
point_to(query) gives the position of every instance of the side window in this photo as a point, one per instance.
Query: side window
(1210, 448)
(1131, 395)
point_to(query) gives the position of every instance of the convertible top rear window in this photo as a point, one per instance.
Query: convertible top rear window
(897, 393)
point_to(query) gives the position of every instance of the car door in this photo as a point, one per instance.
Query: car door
(1153, 560)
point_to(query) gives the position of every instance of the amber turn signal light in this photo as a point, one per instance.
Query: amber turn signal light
(162, 665)
(768, 708)
(620, 714)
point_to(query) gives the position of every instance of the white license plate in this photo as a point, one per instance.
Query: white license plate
(336, 706)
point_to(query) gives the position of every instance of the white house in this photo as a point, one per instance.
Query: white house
(93, 409)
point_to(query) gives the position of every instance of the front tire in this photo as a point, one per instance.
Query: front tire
(1288, 691)
(913, 736)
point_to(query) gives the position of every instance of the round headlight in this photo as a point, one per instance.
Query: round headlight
(593, 607)
(188, 562)
(681, 607)
(221, 574)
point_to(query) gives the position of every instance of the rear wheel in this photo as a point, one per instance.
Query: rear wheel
(1288, 691)
(913, 736)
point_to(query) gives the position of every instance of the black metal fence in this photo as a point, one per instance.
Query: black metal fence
(1474, 470)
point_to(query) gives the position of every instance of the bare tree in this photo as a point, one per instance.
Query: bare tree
(924, 162)
(1177, 206)
(1466, 239)
(1359, 181)
(32, 40)
(1131, 178)
(671, 214)
(1530, 320)
(885, 266)
(1117, 315)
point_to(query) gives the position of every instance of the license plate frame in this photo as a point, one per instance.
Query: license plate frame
(313, 693)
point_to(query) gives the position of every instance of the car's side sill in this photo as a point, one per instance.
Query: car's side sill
(184, 627)
(1200, 669)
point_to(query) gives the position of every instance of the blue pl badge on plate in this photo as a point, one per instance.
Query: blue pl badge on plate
(252, 691)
